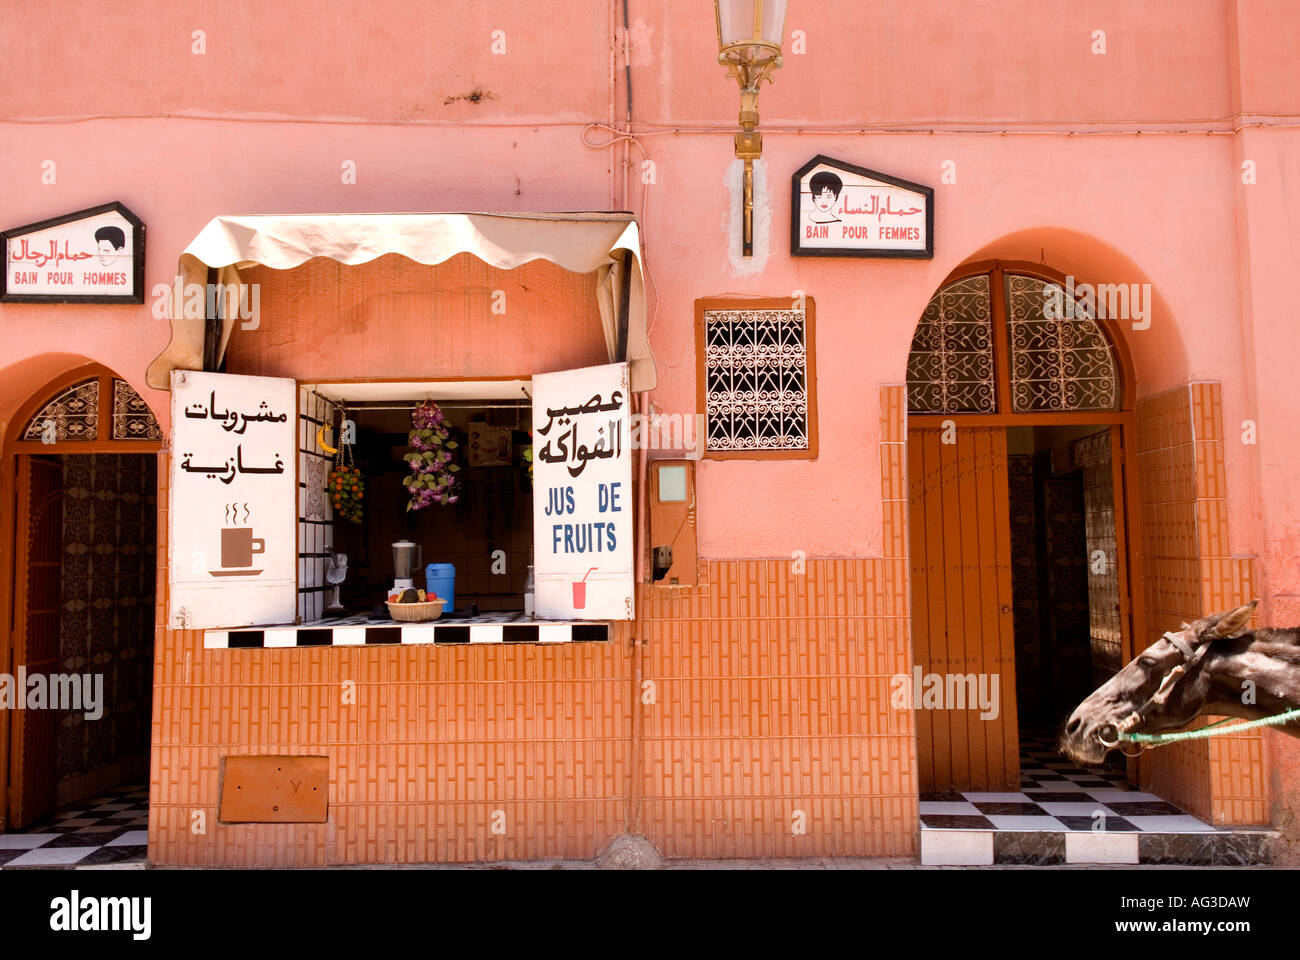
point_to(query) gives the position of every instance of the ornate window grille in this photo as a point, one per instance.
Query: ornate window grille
(1060, 362)
(1056, 360)
(950, 368)
(132, 418)
(756, 380)
(73, 414)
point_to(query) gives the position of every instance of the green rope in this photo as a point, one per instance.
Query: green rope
(1156, 739)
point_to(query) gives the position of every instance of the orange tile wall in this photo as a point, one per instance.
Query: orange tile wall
(1188, 572)
(439, 745)
(766, 728)
(771, 732)
(764, 707)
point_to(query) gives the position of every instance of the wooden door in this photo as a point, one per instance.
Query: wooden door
(960, 534)
(38, 561)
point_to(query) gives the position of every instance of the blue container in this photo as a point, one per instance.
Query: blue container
(441, 579)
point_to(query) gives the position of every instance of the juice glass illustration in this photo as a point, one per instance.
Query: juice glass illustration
(580, 591)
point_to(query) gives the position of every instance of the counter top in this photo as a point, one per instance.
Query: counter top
(360, 630)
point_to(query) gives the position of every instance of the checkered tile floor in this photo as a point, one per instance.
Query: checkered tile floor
(1055, 795)
(111, 828)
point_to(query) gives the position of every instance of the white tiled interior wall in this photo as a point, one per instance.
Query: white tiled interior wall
(314, 536)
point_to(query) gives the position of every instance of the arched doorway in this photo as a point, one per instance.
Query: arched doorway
(80, 464)
(1020, 448)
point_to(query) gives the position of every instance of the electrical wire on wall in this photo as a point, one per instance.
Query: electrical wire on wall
(627, 138)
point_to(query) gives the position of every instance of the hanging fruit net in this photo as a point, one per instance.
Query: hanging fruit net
(346, 486)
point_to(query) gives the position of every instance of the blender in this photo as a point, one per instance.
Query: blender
(406, 557)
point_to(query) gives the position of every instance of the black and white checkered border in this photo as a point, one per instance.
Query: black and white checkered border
(1243, 846)
(356, 635)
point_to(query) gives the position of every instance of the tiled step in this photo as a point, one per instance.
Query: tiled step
(1208, 847)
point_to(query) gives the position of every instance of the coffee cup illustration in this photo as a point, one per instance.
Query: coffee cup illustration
(238, 545)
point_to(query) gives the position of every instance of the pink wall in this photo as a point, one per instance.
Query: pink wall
(1266, 88)
(371, 82)
(387, 61)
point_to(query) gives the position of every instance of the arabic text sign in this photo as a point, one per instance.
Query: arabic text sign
(233, 497)
(582, 494)
(94, 255)
(841, 210)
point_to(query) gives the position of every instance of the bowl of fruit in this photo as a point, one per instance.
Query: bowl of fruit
(414, 606)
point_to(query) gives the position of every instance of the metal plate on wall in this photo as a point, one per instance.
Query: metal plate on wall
(274, 789)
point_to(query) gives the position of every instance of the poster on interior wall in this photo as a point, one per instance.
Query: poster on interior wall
(839, 210)
(488, 446)
(91, 256)
(232, 539)
(582, 494)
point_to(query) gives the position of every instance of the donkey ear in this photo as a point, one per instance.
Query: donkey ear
(1235, 621)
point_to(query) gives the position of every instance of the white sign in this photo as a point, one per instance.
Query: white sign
(232, 533)
(838, 209)
(582, 494)
(92, 256)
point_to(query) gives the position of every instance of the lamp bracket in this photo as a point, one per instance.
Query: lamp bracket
(749, 145)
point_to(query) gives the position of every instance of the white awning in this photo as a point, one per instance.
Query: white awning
(580, 242)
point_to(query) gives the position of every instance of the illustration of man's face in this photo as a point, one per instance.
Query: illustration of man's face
(109, 243)
(107, 253)
(825, 200)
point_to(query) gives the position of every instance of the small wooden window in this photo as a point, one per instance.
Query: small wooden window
(757, 378)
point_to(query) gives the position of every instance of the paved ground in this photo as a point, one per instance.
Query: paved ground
(884, 863)
(108, 833)
(772, 864)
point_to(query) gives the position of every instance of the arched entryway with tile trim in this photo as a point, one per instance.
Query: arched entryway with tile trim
(1168, 467)
(80, 456)
(1018, 597)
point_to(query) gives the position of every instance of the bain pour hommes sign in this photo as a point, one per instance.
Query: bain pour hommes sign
(839, 210)
(91, 256)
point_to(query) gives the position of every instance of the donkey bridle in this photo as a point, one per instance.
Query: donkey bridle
(1190, 659)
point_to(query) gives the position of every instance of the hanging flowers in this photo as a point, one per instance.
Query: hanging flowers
(433, 475)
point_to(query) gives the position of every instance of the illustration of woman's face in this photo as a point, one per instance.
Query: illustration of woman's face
(825, 200)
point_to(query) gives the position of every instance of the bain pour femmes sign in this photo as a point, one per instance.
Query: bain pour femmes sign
(839, 210)
(91, 256)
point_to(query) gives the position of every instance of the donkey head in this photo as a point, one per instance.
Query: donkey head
(1093, 728)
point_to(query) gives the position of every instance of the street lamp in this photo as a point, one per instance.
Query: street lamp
(749, 46)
